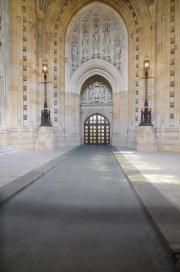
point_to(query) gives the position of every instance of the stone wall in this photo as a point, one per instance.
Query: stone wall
(22, 99)
(3, 65)
(167, 86)
(37, 30)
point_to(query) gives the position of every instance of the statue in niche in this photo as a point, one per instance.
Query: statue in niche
(96, 37)
(117, 51)
(76, 33)
(85, 41)
(74, 55)
(106, 40)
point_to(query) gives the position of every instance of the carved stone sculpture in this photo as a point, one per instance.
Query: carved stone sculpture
(85, 42)
(117, 51)
(106, 40)
(96, 93)
(74, 54)
(97, 34)
(96, 37)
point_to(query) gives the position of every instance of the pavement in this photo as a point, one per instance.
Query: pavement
(155, 176)
(82, 215)
(21, 168)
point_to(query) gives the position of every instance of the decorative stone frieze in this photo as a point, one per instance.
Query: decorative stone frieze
(97, 32)
(96, 93)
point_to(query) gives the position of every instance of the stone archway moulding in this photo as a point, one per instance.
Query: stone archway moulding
(106, 113)
(67, 11)
(96, 67)
(90, 112)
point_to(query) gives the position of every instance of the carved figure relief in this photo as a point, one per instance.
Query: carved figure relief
(85, 41)
(96, 93)
(106, 40)
(75, 48)
(96, 37)
(97, 32)
(117, 51)
(76, 33)
(74, 55)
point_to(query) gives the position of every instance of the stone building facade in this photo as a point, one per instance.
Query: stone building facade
(95, 52)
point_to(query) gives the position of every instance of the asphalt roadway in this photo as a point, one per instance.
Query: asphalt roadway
(82, 216)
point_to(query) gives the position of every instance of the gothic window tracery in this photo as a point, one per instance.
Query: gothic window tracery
(96, 93)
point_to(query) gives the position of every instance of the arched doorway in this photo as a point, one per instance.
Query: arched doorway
(97, 130)
(96, 111)
(96, 71)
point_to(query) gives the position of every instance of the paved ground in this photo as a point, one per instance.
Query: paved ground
(21, 168)
(14, 165)
(161, 169)
(82, 216)
(155, 176)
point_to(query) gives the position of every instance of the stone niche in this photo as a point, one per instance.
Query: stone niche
(97, 32)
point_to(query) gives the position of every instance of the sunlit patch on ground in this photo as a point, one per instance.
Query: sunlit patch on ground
(161, 169)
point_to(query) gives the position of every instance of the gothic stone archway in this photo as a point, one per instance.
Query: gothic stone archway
(96, 47)
(96, 97)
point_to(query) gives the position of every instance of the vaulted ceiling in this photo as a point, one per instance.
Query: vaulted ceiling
(63, 10)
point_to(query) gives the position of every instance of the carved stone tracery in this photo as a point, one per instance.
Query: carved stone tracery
(96, 93)
(97, 32)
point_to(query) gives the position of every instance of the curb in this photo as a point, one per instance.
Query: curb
(20, 183)
(173, 249)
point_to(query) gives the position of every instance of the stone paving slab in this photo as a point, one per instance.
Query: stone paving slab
(164, 215)
(18, 170)
(82, 216)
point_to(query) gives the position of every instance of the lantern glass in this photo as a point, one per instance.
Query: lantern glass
(45, 67)
(147, 63)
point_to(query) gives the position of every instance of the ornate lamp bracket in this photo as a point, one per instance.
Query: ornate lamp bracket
(45, 113)
(146, 112)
